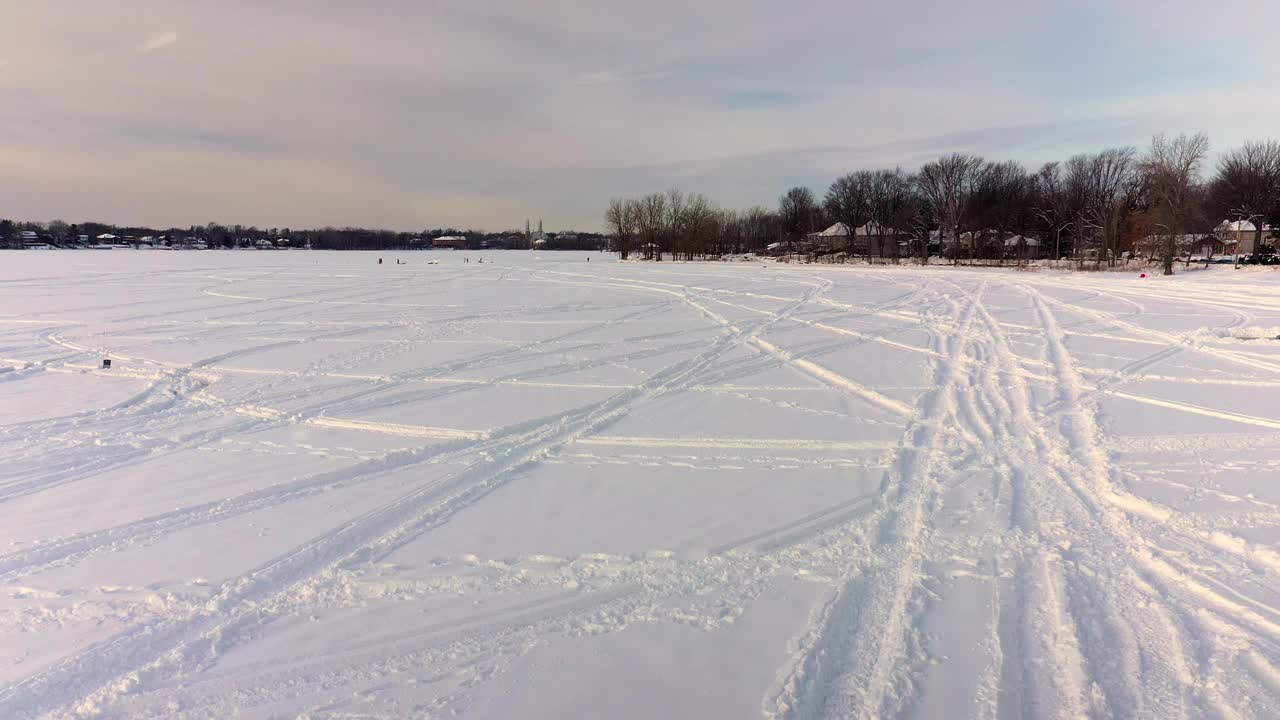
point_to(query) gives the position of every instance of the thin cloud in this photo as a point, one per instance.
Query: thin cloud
(155, 41)
(601, 77)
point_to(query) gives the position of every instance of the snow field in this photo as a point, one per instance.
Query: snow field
(313, 486)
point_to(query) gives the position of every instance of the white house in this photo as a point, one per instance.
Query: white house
(835, 236)
(1240, 236)
(1022, 246)
(264, 244)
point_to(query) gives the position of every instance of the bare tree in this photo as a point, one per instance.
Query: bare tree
(1111, 174)
(651, 216)
(1172, 171)
(674, 234)
(730, 237)
(760, 227)
(892, 208)
(1050, 204)
(848, 201)
(1001, 201)
(798, 211)
(921, 220)
(948, 183)
(1078, 192)
(699, 225)
(620, 218)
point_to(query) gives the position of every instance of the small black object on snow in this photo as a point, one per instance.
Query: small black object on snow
(106, 363)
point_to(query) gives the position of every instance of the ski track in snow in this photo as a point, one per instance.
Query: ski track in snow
(1009, 495)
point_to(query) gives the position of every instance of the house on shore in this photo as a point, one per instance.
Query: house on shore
(1241, 236)
(1021, 247)
(870, 238)
(1184, 244)
(31, 240)
(834, 238)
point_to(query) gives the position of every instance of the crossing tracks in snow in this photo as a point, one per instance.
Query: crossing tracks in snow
(312, 487)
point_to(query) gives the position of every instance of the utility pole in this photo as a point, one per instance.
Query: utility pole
(1057, 249)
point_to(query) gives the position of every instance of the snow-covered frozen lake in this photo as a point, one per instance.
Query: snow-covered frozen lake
(541, 487)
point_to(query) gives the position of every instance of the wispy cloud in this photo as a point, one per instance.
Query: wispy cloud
(157, 40)
(756, 100)
(598, 77)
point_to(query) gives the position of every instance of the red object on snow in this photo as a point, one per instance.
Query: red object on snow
(1143, 275)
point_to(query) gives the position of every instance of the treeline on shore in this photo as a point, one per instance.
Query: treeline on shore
(1158, 202)
(215, 235)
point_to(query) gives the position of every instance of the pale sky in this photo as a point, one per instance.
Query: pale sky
(410, 114)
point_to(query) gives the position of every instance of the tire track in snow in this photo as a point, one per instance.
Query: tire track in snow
(75, 548)
(849, 657)
(1043, 555)
(159, 651)
(1042, 638)
(1120, 553)
(1168, 338)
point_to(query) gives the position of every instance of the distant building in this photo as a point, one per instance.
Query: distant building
(1019, 246)
(866, 239)
(31, 240)
(836, 236)
(1183, 244)
(450, 241)
(1240, 236)
(264, 244)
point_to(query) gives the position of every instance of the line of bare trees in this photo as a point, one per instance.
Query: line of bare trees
(1092, 207)
(686, 226)
(217, 235)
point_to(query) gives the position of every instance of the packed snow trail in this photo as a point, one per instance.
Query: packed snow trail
(311, 485)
